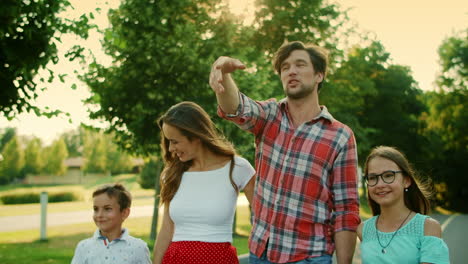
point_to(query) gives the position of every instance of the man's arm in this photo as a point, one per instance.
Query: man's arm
(345, 242)
(346, 199)
(223, 85)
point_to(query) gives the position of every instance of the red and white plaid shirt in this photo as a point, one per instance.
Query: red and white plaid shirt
(306, 180)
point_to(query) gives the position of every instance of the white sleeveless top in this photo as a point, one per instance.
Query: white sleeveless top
(204, 205)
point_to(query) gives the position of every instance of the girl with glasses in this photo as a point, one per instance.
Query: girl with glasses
(400, 230)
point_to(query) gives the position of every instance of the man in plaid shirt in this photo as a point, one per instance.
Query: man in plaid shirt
(306, 201)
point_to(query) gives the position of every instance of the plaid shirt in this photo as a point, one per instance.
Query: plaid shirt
(306, 184)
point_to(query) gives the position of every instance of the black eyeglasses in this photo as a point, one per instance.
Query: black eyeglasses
(387, 177)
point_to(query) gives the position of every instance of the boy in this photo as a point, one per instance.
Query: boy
(110, 243)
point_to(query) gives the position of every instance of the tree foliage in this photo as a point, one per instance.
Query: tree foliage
(54, 157)
(13, 161)
(447, 123)
(33, 162)
(453, 54)
(149, 176)
(163, 52)
(74, 141)
(29, 33)
(5, 136)
(377, 99)
(94, 150)
(99, 151)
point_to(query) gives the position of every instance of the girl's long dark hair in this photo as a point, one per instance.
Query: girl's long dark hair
(417, 196)
(194, 123)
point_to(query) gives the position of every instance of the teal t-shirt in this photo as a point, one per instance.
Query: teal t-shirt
(408, 246)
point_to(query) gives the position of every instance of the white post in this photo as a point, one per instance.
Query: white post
(44, 199)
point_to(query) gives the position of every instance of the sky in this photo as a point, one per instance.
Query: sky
(410, 30)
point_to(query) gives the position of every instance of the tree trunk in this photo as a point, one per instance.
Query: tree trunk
(154, 222)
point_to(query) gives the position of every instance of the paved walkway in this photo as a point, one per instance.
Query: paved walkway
(27, 222)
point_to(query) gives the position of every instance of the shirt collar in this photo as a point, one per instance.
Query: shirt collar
(323, 114)
(124, 236)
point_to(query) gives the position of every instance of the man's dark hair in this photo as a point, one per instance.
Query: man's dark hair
(318, 57)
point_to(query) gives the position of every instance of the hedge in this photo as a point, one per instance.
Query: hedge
(25, 198)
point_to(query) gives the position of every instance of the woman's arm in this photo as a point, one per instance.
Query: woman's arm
(164, 237)
(249, 189)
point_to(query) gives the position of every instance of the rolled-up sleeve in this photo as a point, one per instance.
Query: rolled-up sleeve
(251, 115)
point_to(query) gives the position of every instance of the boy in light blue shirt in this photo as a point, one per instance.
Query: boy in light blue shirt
(111, 243)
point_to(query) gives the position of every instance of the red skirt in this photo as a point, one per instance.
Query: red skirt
(196, 252)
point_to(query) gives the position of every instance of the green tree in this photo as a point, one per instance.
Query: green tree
(32, 157)
(378, 100)
(149, 179)
(156, 65)
(118, 161)
(29, 33)
(447, 123)
(94, 151)
(54, 157)
(5, 136)
(74, 141)
(13, 161)
(453, 54)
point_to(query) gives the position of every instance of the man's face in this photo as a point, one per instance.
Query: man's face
(298, 75)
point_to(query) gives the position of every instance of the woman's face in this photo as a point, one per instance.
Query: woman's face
(179, 145)
(384, 193)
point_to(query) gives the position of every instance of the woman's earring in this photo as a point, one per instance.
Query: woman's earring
(406, 189)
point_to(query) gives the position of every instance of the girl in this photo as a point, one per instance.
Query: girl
(400, 231)
(199, 185)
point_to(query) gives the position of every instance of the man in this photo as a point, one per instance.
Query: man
(306, 200)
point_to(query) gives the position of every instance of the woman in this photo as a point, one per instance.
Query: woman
(199, 186)
(400, 231)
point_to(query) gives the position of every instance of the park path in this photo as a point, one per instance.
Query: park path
(28, 222)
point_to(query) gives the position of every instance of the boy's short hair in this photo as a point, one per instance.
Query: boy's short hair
(117, 190)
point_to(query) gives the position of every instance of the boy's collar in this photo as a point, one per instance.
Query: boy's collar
(123, 236)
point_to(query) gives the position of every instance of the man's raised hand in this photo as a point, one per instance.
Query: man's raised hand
(223, 65)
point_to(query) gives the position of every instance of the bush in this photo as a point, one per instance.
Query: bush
(25, 198)
(150, 174)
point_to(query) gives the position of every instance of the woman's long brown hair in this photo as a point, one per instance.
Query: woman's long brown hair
(417, 196)
(194, 123)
